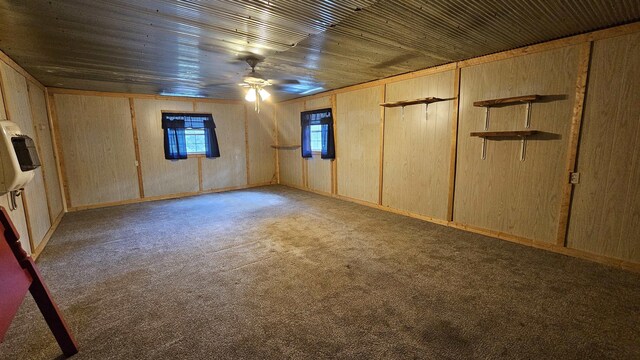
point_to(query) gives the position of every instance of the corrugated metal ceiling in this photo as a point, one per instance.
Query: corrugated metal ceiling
(191, 47)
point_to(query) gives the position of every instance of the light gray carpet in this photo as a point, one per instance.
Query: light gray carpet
(280, 273)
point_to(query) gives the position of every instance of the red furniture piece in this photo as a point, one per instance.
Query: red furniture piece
(19, 274)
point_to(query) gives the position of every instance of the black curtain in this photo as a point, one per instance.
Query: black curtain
(174, 124)
(175, 144)
(321, 117)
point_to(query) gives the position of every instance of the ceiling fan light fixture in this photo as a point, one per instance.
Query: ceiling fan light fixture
(251, 95)
(264, 94)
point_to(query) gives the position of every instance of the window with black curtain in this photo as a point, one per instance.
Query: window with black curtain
(317, 133)
(185, 132)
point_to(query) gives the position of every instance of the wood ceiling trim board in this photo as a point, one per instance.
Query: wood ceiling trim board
(4, 57)
(55, 90)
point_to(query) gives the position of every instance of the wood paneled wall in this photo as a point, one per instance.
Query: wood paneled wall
(97, 149)
(502, 193)
(230, 169)
(261, 129)
(135, 131)
(417, 146)
(359, 141)
(290, 160)
(432, 169)
(605, 212)
(162, 177)
(37, 98)
(318, 171)
(40, 211)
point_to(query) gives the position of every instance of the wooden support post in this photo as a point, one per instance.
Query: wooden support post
(136, 146)
(246, 143)
(57, 141)
(276, 137)
(454, 143)
(334, 162)
(574, 137)
(383, 95)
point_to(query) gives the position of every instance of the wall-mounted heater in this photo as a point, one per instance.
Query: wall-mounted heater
(18, 160)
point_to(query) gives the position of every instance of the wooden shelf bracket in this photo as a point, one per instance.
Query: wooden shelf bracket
(402, 104)
(488, 104)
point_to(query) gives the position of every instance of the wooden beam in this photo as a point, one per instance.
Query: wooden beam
(9, 61)
(136, 146)
(39, 149)
(200, 186)
(47, 236)
(453, 152)
(55, 90)
(334, 162)
(165, 197)
(574, 137)
(57, 140)
(277, 141)
(246, 144)
(383, 96)
(56, 153)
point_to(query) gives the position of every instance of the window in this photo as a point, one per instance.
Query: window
(316, 138)
(188, 133)
(317, 133)
(195, 139)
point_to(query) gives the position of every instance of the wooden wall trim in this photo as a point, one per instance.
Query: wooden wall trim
(9, 61)
(166, 197)
(42, 164)
(55, 90)
(246, 143)
(531, 49)
(136, 146)
(57, 141)
(23, 196)
(383, 96)
(277, 142)
(623, 264)
(45, 240)
(574, 137)
(56, 152)
(200, 180)
(334, 162)
(454, 143)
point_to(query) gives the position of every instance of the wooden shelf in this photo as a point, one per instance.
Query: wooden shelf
(507, 101)
(503, 134)
(428, 100)
(286, 147)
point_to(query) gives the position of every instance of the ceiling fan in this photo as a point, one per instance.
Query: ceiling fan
(257, 83)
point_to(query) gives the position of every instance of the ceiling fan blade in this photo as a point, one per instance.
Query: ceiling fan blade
(284, 82)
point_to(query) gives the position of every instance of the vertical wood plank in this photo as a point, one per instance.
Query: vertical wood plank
(246, 144)
(25, 206)
(136, 146)
(383, 90)
(334, 162)
(454, 143)
(574, 137)
(277, 140)
(57, 151)
(200, 186)
(40, 152)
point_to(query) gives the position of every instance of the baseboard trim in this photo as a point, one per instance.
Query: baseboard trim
(581, 254)
(165, 197)
(47, 237)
